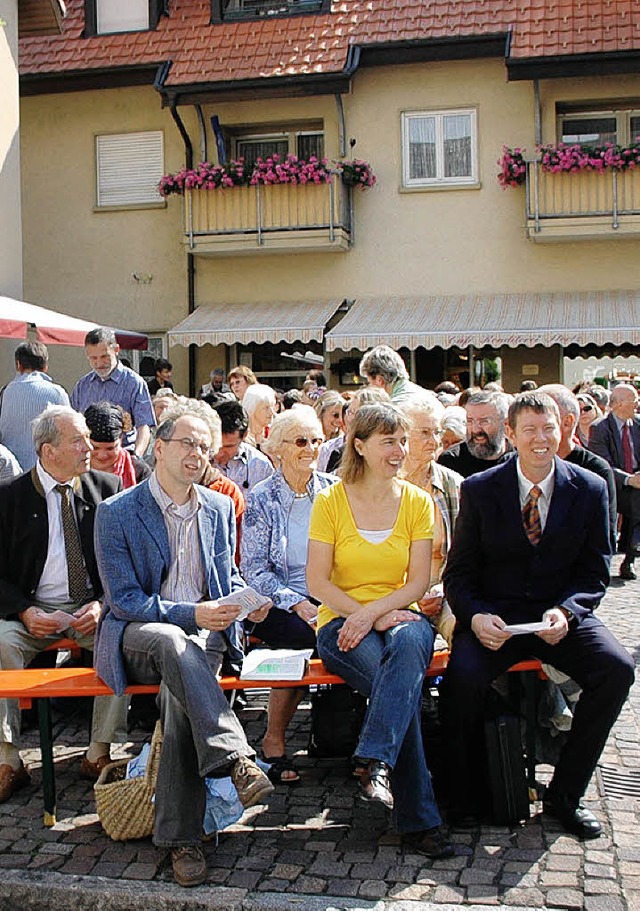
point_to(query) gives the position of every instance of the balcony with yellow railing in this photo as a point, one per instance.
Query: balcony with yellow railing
(582, 205)
(278, 218)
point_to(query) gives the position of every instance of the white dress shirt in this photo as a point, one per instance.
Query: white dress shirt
(53, 587)
(546, 487)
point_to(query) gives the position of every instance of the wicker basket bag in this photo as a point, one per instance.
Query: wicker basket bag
(125, 806)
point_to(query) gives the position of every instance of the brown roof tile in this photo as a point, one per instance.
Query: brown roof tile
(302, 45)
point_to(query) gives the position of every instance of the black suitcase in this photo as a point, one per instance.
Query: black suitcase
(506, 770)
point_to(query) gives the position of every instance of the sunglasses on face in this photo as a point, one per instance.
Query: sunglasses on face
(301, 442)
(586, 408)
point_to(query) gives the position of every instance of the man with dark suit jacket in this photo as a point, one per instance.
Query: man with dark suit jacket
(532, 544)
(569, 408)
(49, 582)
(616, 438)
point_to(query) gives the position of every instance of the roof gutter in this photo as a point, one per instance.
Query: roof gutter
(570, 65)
(86, 80)
(465, 47)
(158, 85)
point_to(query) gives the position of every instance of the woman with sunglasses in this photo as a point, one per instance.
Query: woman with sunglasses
(369, 563)
(589, 412)
(273, 561)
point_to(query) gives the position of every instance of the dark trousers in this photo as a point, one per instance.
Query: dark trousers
(628, 501)
(284, 629)
(589, 654)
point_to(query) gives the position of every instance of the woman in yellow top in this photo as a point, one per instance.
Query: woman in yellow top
(369, 562)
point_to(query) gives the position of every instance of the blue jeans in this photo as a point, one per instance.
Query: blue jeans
(389, 669)
(201, 733)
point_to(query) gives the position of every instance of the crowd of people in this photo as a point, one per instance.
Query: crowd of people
(130, 516)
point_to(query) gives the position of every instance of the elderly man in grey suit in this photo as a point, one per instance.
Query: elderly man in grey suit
(165, 552)
(616, 438)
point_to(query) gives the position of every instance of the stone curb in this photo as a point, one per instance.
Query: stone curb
(34, 891)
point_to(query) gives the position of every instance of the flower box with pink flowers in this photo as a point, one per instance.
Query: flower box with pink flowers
(575, 191)
(276, 205)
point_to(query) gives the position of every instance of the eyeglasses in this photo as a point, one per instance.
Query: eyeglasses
(586, 408)
(191, 445)
(301, 442)
(481, 422)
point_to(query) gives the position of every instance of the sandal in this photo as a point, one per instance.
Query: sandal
(279, 765)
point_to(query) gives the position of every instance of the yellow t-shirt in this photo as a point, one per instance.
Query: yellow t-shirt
(362, 570)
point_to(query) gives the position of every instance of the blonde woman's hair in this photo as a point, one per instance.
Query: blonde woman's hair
(245, 372)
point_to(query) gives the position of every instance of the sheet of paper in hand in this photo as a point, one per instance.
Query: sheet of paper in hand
(248, 599)
(519, 629)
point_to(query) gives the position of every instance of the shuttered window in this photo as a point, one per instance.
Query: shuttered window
(129, 167)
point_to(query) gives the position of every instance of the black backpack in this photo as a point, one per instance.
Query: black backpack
(337, 713)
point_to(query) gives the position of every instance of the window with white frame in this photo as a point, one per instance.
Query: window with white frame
(121, 16)
(303, 143)
(128, 168)
(439, 148)
(596, 128)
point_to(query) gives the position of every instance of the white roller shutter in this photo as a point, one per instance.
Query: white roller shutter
(129, 167)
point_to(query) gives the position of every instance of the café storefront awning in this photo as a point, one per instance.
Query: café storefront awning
(490, 320)
(249, 321)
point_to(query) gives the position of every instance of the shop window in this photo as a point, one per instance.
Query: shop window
(282, 365)
(439, 148)
(128, 168)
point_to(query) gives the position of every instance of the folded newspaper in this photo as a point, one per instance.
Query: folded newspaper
(275, 664)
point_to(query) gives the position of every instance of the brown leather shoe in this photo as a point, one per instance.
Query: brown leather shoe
(189, 865)
(12, 780)
(375, 785)
(91, 770)
(250, 782)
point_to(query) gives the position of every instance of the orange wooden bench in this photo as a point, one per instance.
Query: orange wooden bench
(45, 684)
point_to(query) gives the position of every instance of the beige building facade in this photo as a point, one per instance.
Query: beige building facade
(10, 209)
(137, 265)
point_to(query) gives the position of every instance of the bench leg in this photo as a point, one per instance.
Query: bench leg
(529, 681)
(48, 771)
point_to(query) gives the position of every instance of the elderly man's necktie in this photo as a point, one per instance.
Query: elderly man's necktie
(76, 572)
(627, 455)
(531, 516)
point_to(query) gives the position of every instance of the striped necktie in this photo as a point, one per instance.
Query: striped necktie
(76, 572)
(531, 516)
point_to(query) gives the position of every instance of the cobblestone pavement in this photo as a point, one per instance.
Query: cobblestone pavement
(317, 847)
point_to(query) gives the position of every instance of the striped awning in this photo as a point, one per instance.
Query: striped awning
(560, 318)
(249, 321)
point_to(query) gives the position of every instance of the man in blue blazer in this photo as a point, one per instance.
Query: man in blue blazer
(532, 543)
(607, 439)
(165, 552)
